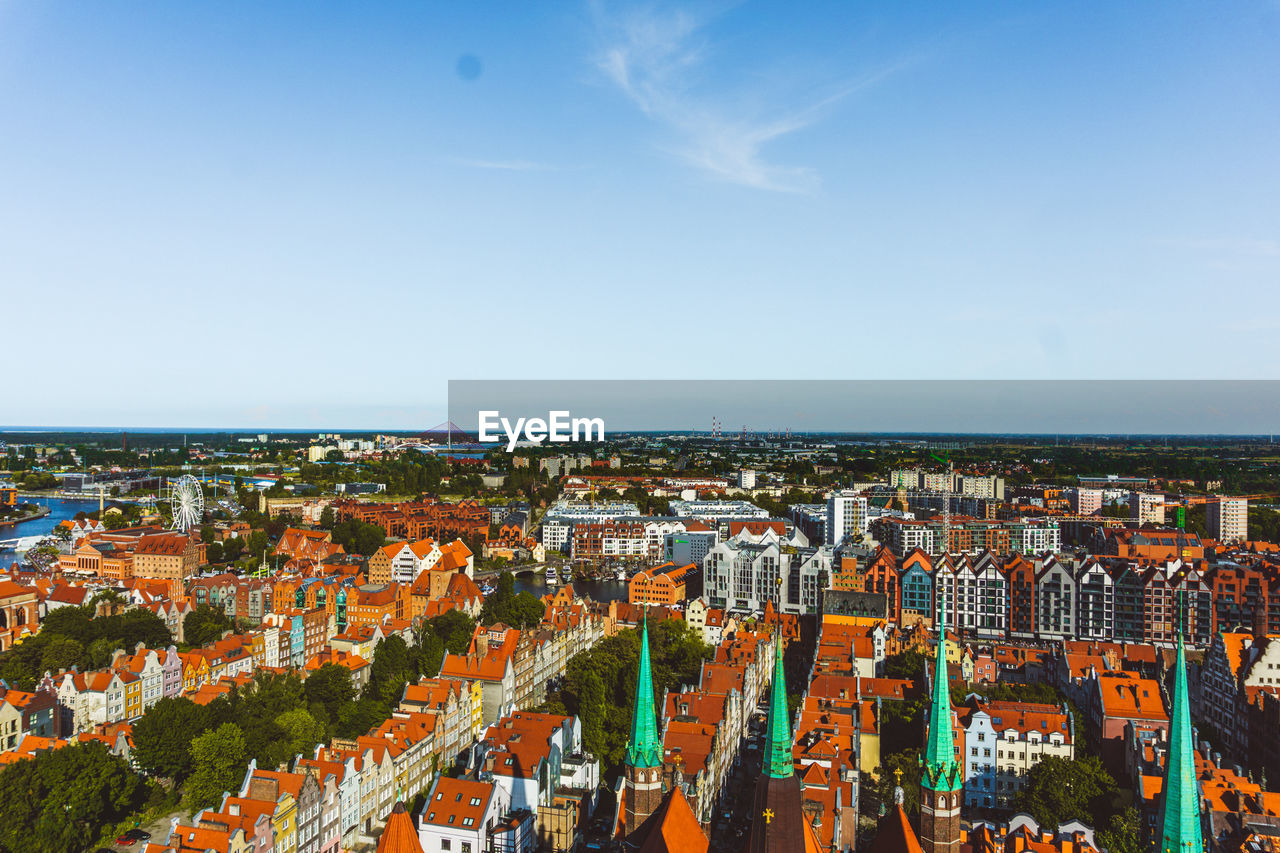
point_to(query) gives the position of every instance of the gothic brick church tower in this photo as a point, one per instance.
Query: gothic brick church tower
(642, 794)
(941, 779)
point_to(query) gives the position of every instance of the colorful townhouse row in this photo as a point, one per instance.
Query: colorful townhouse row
(514, 666)
(343, 794)
(1063, 597)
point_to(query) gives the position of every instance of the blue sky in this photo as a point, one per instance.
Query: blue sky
(300, 214)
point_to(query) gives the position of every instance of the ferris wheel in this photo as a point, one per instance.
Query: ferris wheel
(186, 499)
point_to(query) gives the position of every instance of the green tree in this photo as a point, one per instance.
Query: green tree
(60, 800)
(302, 733)
(205, 624)
(1062, 789)
(1123, 834)
(902, 725)
(232, 548)
(258, 543)
(100, 652)
(74, 622)
(162, 738)
(677, 654)
(61, 653)
(330, 688)
(369, 538)
(593, 710)
(881, 793)
(909, 664)
(526, 610)
(389, 670)
(219, 761)
(1114, 510)
(357, 718)
(455, 628)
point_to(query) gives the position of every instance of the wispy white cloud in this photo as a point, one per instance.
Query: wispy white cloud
(655, 59)
(508, 165)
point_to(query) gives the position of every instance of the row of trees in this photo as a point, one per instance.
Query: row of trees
(404, 474)
(35, 481)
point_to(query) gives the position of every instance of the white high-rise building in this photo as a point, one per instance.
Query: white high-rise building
(938, 481)
(1227, 519)
(846, 517)
(906, 478)
(746, 479)
(1084, 501)
(981, 487)
(1146, 508)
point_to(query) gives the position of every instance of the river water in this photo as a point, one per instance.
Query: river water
(603, 590)
(60, 509)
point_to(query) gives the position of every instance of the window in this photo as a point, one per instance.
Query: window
(475, 801)
(468, 821)
(445, 844)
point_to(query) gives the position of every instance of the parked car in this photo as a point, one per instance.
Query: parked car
(132, 837)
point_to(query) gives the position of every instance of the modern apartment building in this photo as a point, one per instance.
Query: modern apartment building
(846, 517)
(1084, 501)
(1227, 519)
(558, 523)
(716, 512)
(691, 546)
(740, 574)
(971, 536)
(991, 487)
(810, 519)
(1146, 508)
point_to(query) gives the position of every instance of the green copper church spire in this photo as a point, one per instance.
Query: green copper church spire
(778, 763)
(941, 772)
(1180, 830)
(644, 749)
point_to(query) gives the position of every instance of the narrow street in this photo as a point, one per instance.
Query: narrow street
(733, 815)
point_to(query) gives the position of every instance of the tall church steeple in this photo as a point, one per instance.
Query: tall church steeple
(778, 763)
(643, 771)
(778, 822)
(940, 777)
(1180, 827)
